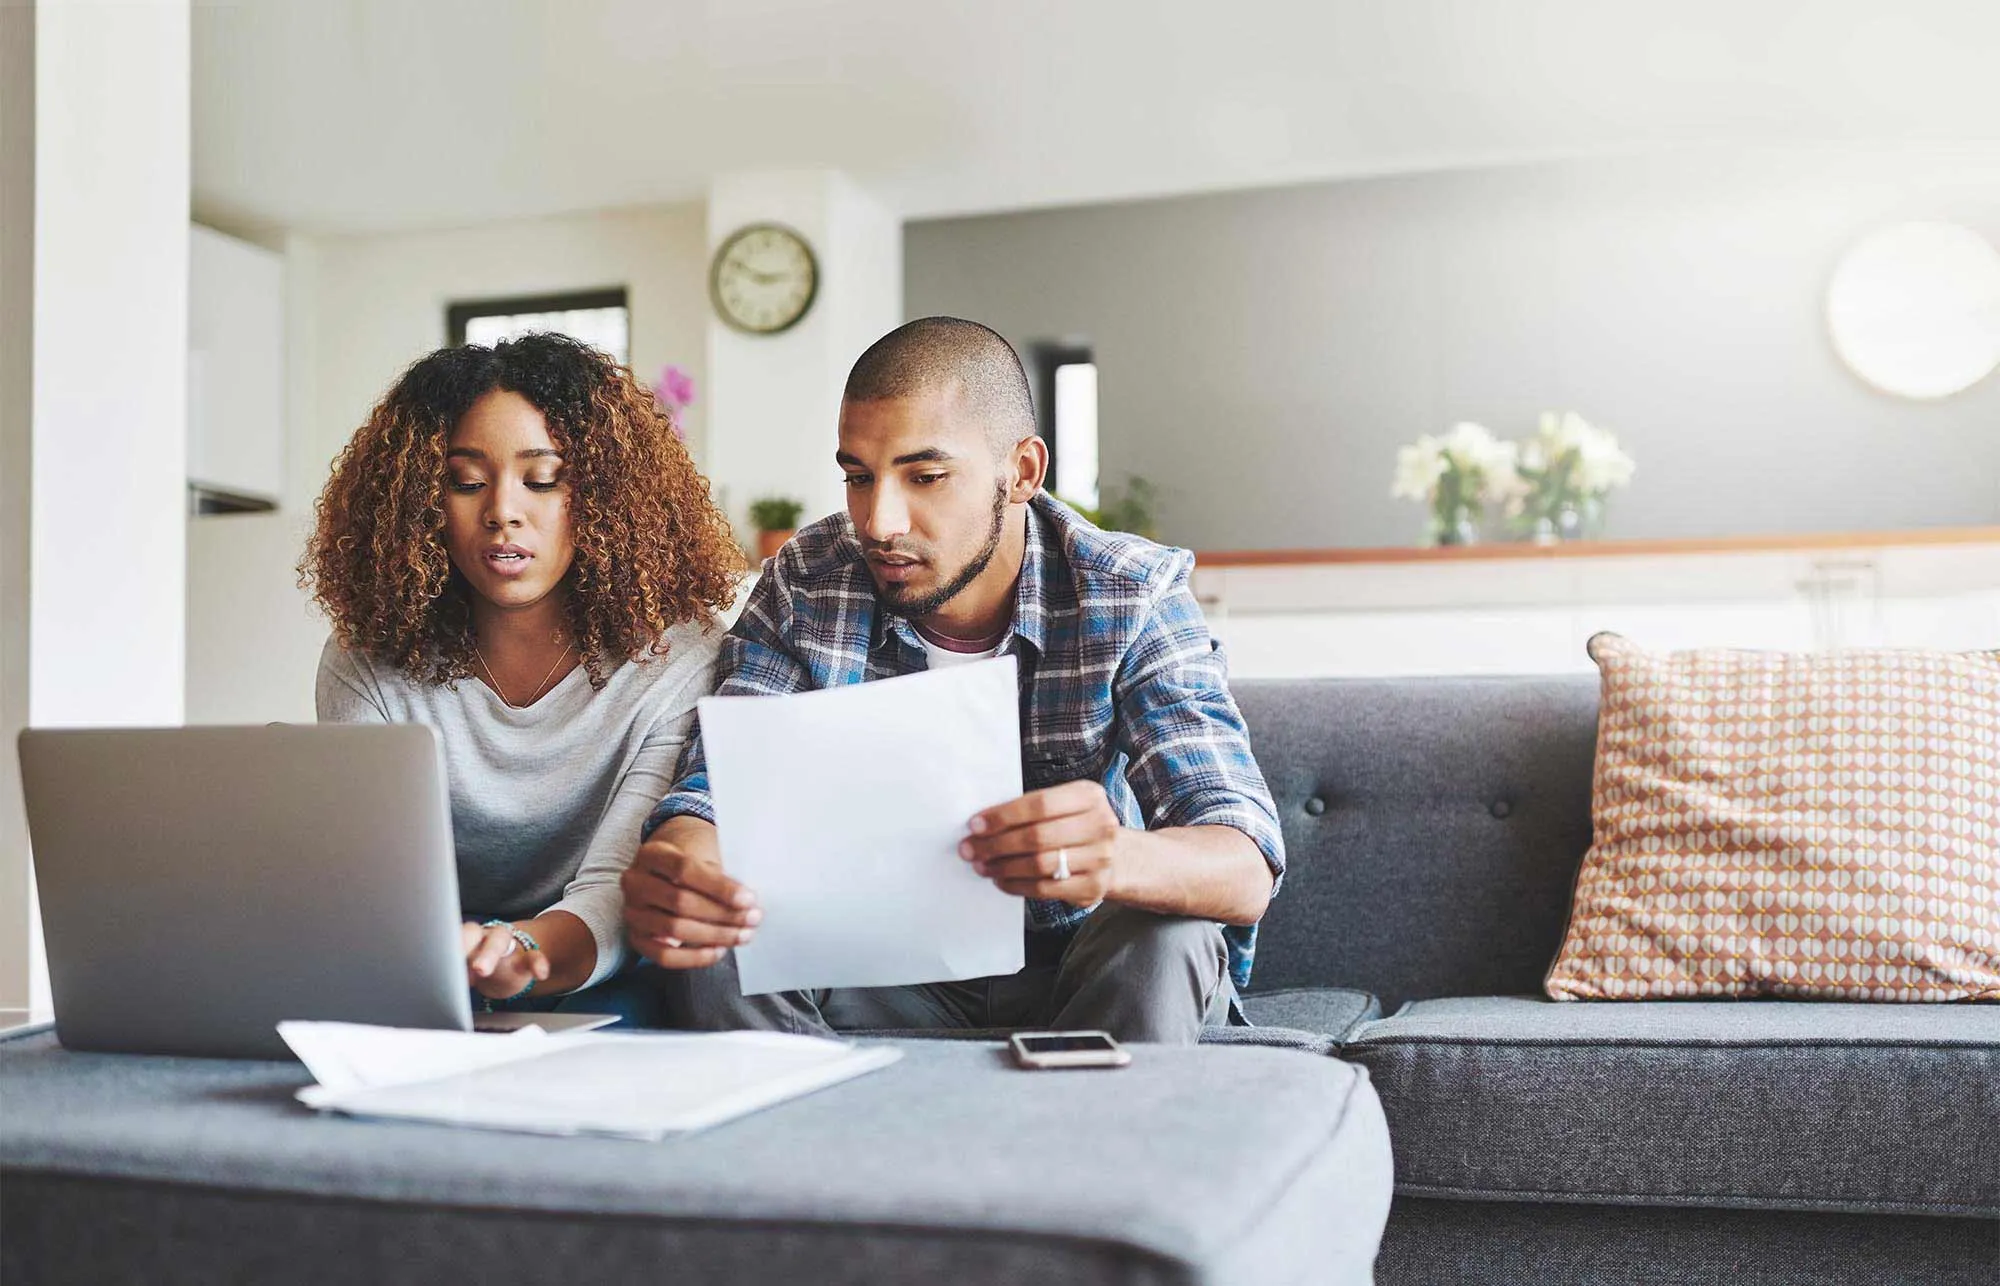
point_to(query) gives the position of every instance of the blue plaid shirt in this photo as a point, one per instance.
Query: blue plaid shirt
(1120, 680)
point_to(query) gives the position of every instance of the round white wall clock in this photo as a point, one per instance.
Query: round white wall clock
(763, 279)
(1915, 309)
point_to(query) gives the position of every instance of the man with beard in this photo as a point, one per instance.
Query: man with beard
(1147, 845)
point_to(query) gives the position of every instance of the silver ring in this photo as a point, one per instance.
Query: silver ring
(1062, 865)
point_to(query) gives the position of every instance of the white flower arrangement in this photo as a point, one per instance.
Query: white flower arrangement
(1547, 485)
(1569, 466)
(1456, 475)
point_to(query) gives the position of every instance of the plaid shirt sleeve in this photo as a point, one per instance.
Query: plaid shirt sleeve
(753, 660)
(1187, 746)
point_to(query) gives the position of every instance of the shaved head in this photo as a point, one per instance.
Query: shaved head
(938, 354)
(940, 458)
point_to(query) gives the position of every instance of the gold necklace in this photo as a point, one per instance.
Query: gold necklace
(502, 692)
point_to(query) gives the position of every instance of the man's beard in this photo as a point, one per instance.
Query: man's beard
(918, 608)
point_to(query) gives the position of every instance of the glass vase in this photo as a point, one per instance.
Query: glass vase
(1455, 525)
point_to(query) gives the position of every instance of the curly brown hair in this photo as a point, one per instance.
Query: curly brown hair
(652, 550)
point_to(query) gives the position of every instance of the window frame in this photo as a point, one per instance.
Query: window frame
(457, 316)
(1043, 359)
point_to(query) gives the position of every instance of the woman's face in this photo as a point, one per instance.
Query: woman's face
(506, 506)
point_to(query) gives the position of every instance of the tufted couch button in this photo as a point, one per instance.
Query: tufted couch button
(1500, 808)
(1315, 806)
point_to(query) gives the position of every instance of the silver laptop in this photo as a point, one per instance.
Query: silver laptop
(199, 885)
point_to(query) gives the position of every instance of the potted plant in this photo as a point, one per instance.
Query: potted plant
(1455, 475)
(1128, 509)
(775, 518)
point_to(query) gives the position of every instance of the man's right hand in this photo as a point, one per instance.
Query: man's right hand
(681, 911)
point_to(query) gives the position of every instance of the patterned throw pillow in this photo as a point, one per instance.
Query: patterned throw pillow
(1771, 824)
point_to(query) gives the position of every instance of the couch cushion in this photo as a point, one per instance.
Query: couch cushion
(1758, 1104)
(1273, 1037)
(1810, 825)
(1309, 1042)
(1332, 1010)
(1533, 1243)
(1433, 828)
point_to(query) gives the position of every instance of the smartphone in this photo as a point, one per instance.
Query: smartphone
(1053, 1049)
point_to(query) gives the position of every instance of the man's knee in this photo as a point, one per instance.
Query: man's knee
(1143, 976)
(1133, 936)
(698, 999)
(712, 999)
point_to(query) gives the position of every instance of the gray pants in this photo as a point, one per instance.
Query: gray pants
(1139, 976)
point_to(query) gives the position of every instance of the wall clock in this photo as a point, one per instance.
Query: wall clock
(763, 279)
(1915, 309)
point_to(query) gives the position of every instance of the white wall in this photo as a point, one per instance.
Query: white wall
(236, 365)
(111, 282)
(107, 328)
(778, 396)
(867, 300)
(1261, 355)
(253, 638)
(18, 925)
(250, 630)
(360, 310)
(382, 299)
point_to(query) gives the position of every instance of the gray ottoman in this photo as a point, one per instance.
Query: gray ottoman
(1232, 1164)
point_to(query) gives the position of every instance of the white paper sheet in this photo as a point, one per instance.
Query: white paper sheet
(844, 808)
(348, 1056)
(626, 1086)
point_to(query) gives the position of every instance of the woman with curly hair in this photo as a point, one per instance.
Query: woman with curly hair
(516, 550)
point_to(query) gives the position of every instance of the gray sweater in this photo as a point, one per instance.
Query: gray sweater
(546, 802)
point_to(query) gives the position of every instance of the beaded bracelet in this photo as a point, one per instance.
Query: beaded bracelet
(527, 943)
(521, 935)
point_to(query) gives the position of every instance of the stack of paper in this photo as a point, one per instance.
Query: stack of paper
(636, 1087)
(843, 809)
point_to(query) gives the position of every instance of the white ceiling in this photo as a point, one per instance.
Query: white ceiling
(353, 115)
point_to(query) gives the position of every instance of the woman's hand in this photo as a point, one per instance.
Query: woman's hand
(497, 966)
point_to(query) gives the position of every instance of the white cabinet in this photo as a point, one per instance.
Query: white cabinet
(1500, 613)
(236, 368)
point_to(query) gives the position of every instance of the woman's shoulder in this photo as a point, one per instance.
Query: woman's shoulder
(684, 652)
(679, 674)
(357, 666)
(350, 686)
(345, 665)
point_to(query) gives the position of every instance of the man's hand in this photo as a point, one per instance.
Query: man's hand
(1024, 844)
(496, 964)
(681, 911)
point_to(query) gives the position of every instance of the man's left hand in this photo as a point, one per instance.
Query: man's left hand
(1023, 845)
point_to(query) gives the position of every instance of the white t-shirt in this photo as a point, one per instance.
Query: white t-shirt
(943, 658)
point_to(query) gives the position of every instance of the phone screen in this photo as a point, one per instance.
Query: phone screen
(1095, 1044)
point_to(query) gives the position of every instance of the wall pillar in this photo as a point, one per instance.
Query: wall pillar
(774, 400)
(94, 132)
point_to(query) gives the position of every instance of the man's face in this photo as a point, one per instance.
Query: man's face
(927, 494)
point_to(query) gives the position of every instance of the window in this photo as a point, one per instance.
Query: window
(597, 317)
(1065, 385)
(1076, 429)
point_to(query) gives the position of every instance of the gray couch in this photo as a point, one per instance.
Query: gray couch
(1434, 829)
